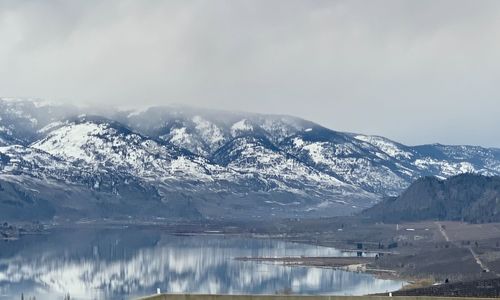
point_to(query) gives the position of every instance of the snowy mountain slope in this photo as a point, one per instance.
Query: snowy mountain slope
(453, 160)
(185, 162)
(258, 156)
(204, 131)
(373, 163)
(440, 160)
(21, 119)
(98, 142)
(347, 159)
(35, 184)
(17, 161)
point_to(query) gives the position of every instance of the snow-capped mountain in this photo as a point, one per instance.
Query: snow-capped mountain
(191, 163)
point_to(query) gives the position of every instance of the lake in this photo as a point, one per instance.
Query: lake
(125, 263)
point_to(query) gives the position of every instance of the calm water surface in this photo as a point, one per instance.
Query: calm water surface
(124, 263)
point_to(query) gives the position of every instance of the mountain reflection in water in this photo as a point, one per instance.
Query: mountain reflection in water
(122, 263)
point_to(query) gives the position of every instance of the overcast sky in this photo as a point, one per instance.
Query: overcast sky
(414, 71)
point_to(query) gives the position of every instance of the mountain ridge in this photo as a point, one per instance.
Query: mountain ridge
(465, 197)
(212, 164)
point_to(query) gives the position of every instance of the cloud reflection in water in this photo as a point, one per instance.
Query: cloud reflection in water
(112, 264)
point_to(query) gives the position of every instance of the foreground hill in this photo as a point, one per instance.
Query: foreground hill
(466, 197)
(178, 162)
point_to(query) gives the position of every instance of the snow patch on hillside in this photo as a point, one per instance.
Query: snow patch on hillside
(445, 168)
(209, 132)
(386, 146)
(71, 141)
(241, 126)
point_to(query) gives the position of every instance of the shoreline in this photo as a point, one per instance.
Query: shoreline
(345, 263)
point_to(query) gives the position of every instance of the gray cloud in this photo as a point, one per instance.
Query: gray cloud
(415, 71)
